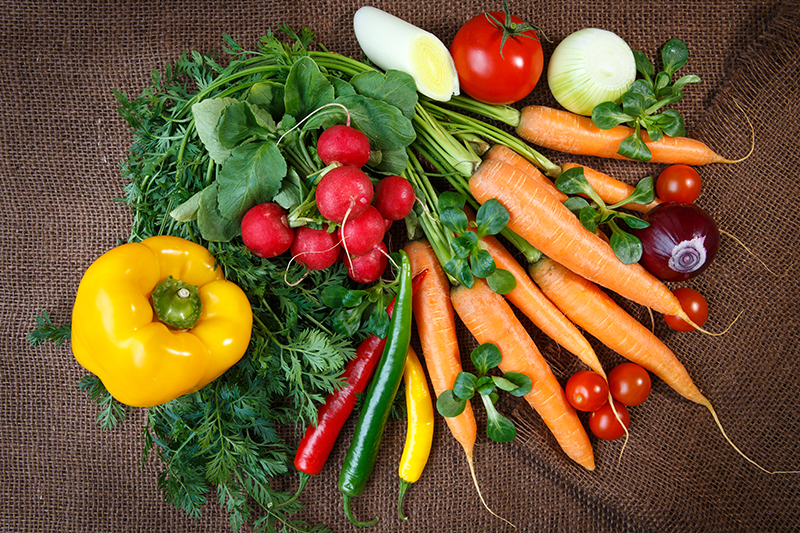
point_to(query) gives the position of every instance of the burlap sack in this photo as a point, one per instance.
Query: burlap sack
(61, 144)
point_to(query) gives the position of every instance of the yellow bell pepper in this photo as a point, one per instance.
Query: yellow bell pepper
(156, 320)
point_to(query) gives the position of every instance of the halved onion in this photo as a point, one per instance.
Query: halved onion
(589, 67)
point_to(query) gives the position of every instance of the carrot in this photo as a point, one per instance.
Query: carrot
(592, 309)
(436, 325)
(544, 222)
(499, 152)
(435, 321)
(611, 190)
(575, 134)
(529, 298)
(490, 319)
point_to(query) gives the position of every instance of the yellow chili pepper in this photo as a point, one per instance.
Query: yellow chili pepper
(419, 433)
(156, 320)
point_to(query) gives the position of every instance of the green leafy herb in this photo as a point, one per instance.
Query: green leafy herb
(470, 260)
(46, 330)
(627, 247)
(645, 98)
(452, 402)
(209, 140)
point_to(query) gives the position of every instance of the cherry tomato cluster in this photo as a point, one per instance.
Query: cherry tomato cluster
(628, 385)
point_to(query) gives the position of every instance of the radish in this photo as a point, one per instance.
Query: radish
(369, 267)
(394, 197)
(266, 231)
(316, 249)
(343, 144)
(343, 191)
(360, 235)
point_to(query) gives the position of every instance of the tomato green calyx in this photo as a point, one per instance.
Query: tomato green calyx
(176, 303)
(511, 28)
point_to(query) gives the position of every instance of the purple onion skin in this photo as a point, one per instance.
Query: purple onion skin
(680, 243)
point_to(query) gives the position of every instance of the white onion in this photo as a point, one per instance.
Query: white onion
(394, 44)
(589, 67)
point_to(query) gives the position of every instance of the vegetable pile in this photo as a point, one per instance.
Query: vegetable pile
(268, 189)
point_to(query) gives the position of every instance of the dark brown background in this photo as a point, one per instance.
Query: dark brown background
(61, 143)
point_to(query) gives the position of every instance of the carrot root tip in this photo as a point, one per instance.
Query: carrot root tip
(477, 487)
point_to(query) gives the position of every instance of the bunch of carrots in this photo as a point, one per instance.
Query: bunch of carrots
(561, 287)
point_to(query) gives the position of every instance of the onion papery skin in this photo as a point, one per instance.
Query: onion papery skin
(680, 243)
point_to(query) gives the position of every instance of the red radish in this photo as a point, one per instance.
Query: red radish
(266, 231)
(369, 267)
(316, 249)
(343, 191)
(394, 197)
(343, 144)
(361, 234)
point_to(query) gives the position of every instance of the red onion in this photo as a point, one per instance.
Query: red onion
(680, 243)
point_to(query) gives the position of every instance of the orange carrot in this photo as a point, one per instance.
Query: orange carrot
(575, 134)
(529, 298)
(435, 321)
(490, 319)
(500, 152)
(611, 190)
(538, 217)
(591, 308)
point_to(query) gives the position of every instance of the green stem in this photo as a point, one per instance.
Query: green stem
(403, 488)
(470, 125)
(502, 113)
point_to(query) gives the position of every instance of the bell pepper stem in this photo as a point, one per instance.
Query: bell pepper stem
(176, 303)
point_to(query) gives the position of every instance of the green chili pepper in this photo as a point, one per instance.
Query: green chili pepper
(378, 399)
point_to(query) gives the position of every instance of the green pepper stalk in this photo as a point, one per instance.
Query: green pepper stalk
(378, 399)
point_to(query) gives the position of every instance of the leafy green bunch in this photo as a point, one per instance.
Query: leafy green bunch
(627, 247)
(485, 357)
(645, 98)
(262, 143)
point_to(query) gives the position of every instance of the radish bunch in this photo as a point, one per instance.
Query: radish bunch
(356, 213)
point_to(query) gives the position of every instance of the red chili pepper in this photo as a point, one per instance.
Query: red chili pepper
(318, 441)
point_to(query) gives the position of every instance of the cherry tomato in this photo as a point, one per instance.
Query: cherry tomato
(629, 384)
(485, 74)
(587, 391)
(678, 183)
(605, 425)
(695, 307)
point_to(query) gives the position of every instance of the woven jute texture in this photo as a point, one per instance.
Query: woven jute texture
(61, 144)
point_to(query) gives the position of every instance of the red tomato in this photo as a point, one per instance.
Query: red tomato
(678, 183)
(629, 384)
(605, 425)
(587, 391)
(485, 74)
(695, 307)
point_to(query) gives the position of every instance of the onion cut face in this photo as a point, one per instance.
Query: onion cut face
(680, 243)
(589, 67)
(394, 44)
